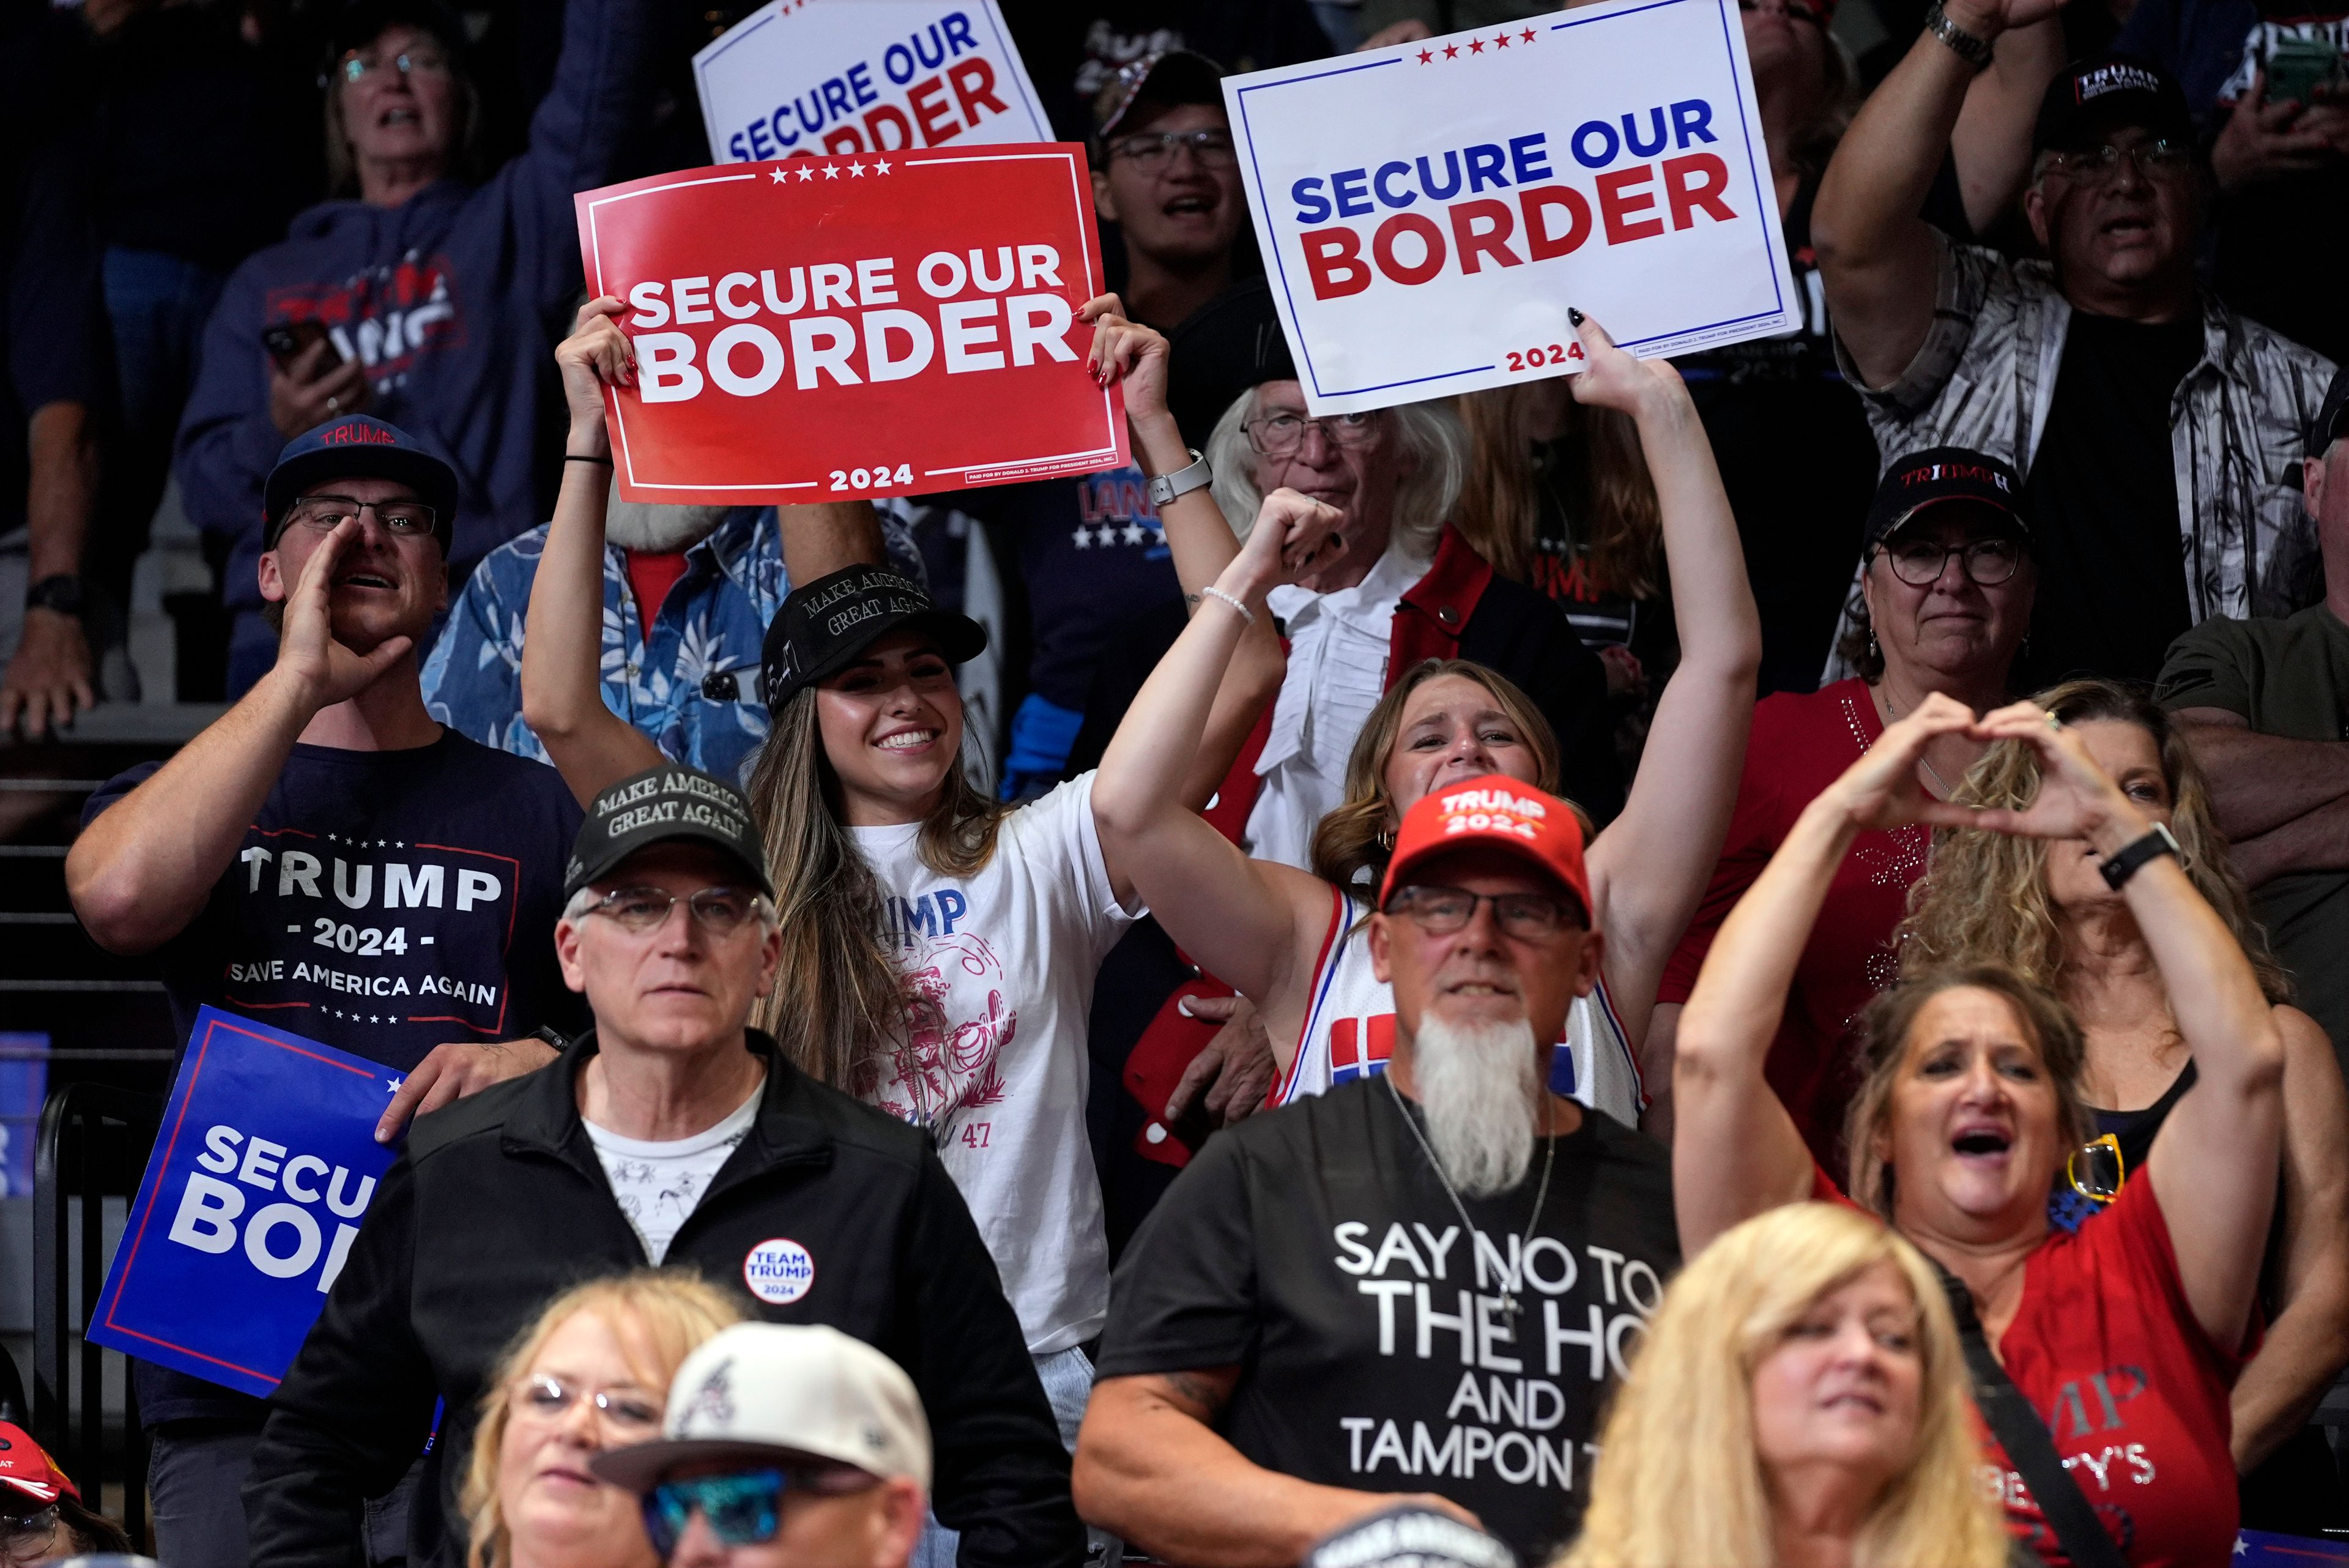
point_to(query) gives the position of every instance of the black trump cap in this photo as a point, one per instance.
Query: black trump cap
(1232, 344)
(1936, 476)
(822, 627)
(1410, 1536)
(2331, 415)
(357, 446)
(2089, 98)
(660, 805)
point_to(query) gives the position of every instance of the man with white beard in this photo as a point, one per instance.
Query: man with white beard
(687, 594)
(1420, 1282)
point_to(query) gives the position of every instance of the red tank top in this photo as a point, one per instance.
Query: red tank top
(2105, 1346)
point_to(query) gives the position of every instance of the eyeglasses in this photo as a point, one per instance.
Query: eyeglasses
(1278, 435)
(1919, 562)
(404, 519)
(721, 910)
(548, 1399)
(743, 1509)
(357, 67)
(2094, 1170)
(40, 1524)
(1153, 149)
(2098, 165)
(1439, 911)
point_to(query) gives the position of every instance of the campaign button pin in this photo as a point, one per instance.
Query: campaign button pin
(778, 1271)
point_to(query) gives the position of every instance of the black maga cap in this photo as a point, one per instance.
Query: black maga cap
(822, 627)
(1232, 344)
(1410, 1536)
(1941, 473)
(2090, 98)
(661, 804)
(1164, 77)
(358, 447)
(2329, 417)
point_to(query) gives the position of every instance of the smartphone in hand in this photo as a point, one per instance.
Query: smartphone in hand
(2298, 69)
(289, 340)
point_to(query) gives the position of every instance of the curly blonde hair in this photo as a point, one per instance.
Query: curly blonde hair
(1679, 1481)
(1983, 896)
(671, 1311)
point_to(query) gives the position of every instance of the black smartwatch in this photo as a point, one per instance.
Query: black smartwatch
(2124, 864)
(61, 592)
(549, 1035)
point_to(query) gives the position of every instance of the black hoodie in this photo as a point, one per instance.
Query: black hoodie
(500, 1203)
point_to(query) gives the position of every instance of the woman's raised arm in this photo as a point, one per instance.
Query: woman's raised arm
(1650, 865)
(562, 640)
(1736, 1150)
(2214, 1162)
(1241, 918)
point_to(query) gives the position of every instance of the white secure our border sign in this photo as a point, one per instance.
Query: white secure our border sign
(1429, 211)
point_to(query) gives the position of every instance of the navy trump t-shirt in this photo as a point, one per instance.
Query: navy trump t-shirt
(382, 903)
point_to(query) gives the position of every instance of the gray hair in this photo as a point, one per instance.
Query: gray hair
(1431, 432)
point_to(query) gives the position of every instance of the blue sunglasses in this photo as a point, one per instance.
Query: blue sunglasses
(743, 1509)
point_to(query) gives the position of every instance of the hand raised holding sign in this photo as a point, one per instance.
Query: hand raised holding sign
(1125, 350)
(1613, 378)
(597, 354)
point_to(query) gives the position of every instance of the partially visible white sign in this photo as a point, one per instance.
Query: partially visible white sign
(864, 76)
(1430, 210)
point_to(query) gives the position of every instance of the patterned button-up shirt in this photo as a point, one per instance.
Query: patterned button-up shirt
(1985, 378)
(689, 681)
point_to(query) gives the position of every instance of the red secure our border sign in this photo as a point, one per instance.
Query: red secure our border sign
(882, 324)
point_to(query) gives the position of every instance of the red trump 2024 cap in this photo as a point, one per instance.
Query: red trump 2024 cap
(1494, 812)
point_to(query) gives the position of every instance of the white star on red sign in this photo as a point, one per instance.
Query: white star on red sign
(879, 167)
(806, 174)
(777, 176)
(857, 169)
(832, 171)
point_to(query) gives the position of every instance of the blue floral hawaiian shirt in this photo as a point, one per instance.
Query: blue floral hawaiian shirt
(689, 680)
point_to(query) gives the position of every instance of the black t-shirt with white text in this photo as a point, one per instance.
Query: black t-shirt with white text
(382, 903)
(1314, 1247)
(2102, 502)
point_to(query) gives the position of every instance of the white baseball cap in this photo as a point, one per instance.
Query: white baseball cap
(783, 1392)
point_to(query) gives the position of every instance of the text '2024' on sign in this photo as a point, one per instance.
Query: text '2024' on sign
(854, 325)
(1429, 212)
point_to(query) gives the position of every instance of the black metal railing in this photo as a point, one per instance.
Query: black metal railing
(94, 1144)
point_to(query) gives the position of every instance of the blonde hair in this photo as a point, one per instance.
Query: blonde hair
(1427, 433)
(838, 998)
(1679, 1481)
(671, 1311)
(1611, 505)
(1358, 836)
(1983, 896)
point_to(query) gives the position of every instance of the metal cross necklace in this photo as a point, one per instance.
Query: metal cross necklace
(1468, 1226)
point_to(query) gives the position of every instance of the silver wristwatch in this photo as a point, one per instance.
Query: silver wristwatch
(1182, 482)
(1975, 51)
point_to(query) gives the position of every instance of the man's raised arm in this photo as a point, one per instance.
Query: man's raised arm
(1878, 259)
(144, 867)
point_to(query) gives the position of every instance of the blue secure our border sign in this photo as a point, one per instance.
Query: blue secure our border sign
(264, 1168)
(1429, 211)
